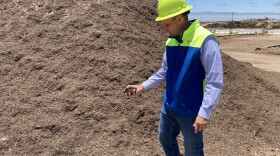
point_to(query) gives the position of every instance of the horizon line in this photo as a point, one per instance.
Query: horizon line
(236, 12)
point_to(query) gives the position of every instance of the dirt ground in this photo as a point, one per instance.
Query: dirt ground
(64, 65)
(249, 47)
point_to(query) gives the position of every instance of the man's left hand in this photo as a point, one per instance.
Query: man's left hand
(200, 124)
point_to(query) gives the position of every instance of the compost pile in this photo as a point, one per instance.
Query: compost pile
(64, 66)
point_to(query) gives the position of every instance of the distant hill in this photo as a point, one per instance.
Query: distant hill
(233, 16)
(245, 24)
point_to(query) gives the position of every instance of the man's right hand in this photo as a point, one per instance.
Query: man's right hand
(133, 90)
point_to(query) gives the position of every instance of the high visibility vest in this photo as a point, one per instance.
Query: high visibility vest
(185, 77)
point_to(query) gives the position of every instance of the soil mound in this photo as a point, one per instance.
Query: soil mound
(64, 65)
(245, 122)
(271, 51)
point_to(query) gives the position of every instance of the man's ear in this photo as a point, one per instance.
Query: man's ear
(180, 18)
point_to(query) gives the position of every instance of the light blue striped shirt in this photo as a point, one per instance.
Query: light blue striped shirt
(211, 60)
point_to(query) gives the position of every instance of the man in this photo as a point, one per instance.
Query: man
(193, 71)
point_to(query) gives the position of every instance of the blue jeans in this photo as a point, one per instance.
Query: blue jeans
(170, 126)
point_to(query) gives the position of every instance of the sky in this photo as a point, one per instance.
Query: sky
(238, 6)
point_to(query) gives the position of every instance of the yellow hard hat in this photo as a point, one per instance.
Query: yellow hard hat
(171, 8)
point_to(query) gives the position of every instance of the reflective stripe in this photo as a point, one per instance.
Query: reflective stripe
(191, 39)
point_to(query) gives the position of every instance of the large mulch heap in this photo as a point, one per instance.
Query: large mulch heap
(64, 65)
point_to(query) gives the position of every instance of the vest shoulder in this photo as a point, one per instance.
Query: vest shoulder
(197, 37)
(194, 38)
(204, 31)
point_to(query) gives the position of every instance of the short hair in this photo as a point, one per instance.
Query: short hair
(186, 14)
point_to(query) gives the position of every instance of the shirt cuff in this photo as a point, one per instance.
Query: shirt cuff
(204, 113)
(146, 85)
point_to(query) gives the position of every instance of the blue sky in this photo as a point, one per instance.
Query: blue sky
(239, 6)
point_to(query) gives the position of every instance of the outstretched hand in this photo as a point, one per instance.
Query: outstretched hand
(133, 90)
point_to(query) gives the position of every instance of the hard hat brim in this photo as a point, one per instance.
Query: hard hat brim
(187, 8)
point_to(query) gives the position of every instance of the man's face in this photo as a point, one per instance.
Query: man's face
(172, 26)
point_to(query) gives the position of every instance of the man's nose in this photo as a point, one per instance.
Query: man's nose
(165, 28)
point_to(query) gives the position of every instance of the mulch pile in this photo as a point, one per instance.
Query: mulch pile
(64, 66)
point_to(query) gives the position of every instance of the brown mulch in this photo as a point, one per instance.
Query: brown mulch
(64, 65)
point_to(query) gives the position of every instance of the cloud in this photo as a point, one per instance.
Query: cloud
(253, 4)
(277, 4)
(223, 5)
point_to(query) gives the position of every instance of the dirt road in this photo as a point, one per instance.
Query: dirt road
(243, 49)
